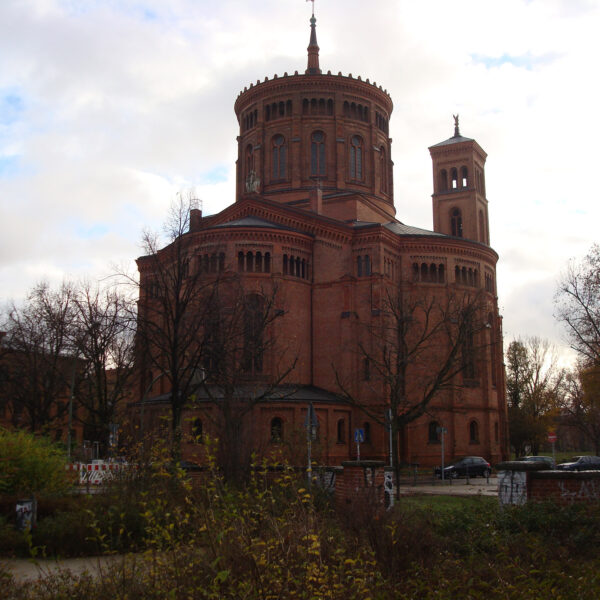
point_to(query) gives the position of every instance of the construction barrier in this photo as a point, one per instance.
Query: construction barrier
(95, 473)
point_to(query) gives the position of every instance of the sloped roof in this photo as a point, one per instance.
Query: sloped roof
(455, 139)
(402, 229)
(251, 221)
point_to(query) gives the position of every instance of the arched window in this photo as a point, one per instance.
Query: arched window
(415, 270)
(278, 157)
(276, 430)
(383, 170)
(285, 264)
(443, 180)
(367, 264)
(240, 262)
(254, 318)
(197, 431)
(456, 222)
(317, 154)
(454, 177)
(367, 430)
(258, 264)
(424, 273)
(482, 236)
(463, 177)
(433, 436)
(441, 274)
(473, 432)
(267, 263)
(359, 265)
(356, 157)
(249, 262)
(341, 431)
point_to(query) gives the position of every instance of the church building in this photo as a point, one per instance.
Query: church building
(314, 221)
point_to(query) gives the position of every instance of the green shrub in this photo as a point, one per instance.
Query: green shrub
(31, 465)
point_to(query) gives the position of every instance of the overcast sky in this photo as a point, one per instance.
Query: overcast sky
(109, 108)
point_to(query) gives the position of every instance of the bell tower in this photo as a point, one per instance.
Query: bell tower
(460, 207)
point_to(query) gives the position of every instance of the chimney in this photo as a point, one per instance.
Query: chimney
(195, 219)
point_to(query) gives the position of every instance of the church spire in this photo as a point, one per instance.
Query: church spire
(313, 48)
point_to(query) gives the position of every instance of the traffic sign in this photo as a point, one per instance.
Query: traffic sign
(552, 437)
(359, 435)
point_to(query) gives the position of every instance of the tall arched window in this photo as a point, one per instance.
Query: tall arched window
(278, 157)
(434, 435)
(383, 170)
(356, 157)
(456, 222)
(197, 431)
(473, 432)
(464, 180)
(276, 430)
(443, 180)
(317, 154)
(454, 178)
(341, 431)
(254, 321)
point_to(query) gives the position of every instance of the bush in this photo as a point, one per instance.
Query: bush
(31, 465)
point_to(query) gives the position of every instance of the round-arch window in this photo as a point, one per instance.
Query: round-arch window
(276, 430)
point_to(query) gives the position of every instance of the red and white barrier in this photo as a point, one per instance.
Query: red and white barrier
(94, 473)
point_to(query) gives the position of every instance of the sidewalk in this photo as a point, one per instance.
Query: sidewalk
(30, 570)
(477, 486)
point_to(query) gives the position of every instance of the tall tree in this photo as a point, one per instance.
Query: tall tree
(39, 356)
(102, 338)
(534, 387)
(581, 407)
(577, 302)
(416, 350)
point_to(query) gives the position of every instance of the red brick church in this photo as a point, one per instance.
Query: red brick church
(314, 219)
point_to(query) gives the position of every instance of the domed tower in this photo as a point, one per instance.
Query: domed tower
(317, 141)
(460, 207)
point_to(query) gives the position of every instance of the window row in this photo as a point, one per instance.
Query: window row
(277, 110)
(295, 266)
(317, 106)
(466, 276)
(431, 273)
(458, 179)
(277, 431)
(363, 265)
(435, 432)
(489, 283)
(381, 122)
(356, 111)
(249, 119)
(211, 263)
(389, 268)
(254, 262)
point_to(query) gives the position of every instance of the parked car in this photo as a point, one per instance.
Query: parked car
(547, 460)
(469, 465)
(581, 463)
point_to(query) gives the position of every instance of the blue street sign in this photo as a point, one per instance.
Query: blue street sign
(359, 435)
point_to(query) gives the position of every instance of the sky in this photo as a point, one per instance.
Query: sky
(110, 108)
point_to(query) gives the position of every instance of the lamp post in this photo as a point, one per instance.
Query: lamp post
(312, 426)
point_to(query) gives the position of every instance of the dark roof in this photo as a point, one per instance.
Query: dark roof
(251, 221)
(402, 229)
(280, 393)
(455, 139)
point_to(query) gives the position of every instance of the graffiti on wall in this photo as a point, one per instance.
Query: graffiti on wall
(588, 490)
(512, 487)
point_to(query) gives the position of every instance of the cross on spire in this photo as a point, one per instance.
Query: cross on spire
(313, 6)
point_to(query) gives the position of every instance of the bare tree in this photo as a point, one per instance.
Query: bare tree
(577, 302)
(39, 357)
(414, 351)
(205, 331)
(102, 338)
(534, 384)
(243, 362)
(581, 406)
(174, 302)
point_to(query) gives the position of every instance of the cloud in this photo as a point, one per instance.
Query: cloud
(109, 108)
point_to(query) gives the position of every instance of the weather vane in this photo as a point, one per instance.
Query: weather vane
(313, 6)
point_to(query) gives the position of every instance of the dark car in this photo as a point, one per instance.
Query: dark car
(548, 461)
(581, 463)
(469, 465)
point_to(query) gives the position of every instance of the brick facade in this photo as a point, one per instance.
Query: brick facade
(314, 194)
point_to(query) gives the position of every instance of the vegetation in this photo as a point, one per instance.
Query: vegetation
(30, 465)
(275, 539)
